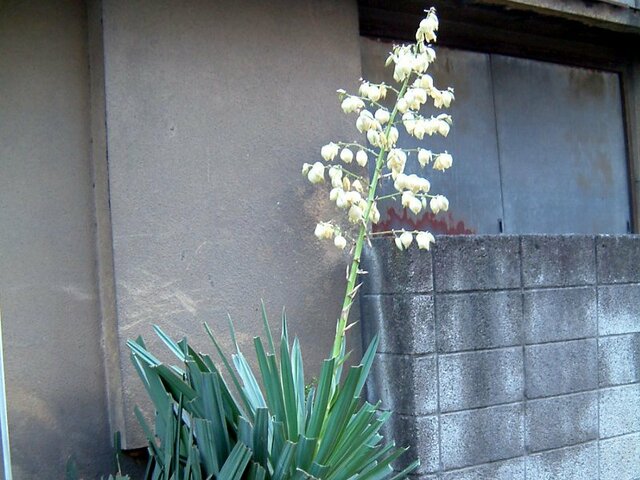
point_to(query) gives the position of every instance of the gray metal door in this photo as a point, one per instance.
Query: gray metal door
(562, 148)
(473, 184)
(537, 147)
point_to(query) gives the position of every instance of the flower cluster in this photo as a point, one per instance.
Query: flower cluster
(354, 170)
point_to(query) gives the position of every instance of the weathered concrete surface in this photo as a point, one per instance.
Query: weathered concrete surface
(536, 356)
(618, 14)
(212, 107)
(583, 126)
(48, 282)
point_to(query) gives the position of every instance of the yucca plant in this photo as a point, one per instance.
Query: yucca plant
(268, 426)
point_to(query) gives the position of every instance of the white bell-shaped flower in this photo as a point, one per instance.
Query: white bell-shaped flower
(316, 173)
(324, 230)
(424, 240)
(346, 155)
(382, 115)
(406, 238)
(362, 158)
(424, 157)
(439, 203)
(415, 205)
(355, 214)
(443, 161)
(329, 151)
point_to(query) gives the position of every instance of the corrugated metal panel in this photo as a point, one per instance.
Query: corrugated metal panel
(473, 184)
(562, 148)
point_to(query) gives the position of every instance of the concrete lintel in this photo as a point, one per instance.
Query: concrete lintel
(615, 14)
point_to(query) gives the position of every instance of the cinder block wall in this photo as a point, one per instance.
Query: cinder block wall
(510, 357)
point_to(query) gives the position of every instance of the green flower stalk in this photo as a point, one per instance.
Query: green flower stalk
(354, 189)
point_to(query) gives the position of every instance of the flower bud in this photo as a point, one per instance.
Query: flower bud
(329, 151)
(361, 158)
(340, 242)
(357, 186)
(346, 155)
(346, 184)
(424, 240)
(442, 162)
(398, 243)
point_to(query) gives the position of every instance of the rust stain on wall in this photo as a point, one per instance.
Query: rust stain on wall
(444, 223)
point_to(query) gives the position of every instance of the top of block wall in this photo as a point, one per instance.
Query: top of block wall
(501, 262)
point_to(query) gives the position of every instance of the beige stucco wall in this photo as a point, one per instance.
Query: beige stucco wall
(51, 326)
(212, 107)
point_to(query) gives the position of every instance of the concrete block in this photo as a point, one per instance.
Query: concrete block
(560, 314)
(470, 321)
(618, 258)
(558, 260)
(619, 359)
(508, 470)
(420, 434)
(406, 385)
(619, 309)
(476, 263)
(480, 379)
(481, 436)
(557, 368)
(561, 421)
(572, 463)
(620, 458)
(619, 410)
(404, 323)
(393, 271)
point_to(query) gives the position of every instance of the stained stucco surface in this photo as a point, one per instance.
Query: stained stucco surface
(212, 107)
(51, 326)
